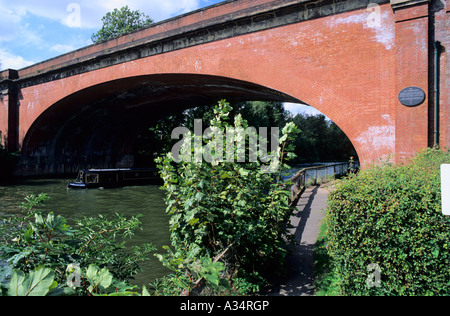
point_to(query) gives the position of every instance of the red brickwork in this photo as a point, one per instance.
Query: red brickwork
(345, 65)
(411, 51)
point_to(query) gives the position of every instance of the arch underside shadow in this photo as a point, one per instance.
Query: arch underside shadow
(97, 127)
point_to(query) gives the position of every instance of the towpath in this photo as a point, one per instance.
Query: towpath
(311, 209)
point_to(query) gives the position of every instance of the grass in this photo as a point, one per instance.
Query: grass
(326, 281)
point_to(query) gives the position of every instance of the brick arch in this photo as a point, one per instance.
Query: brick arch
(79, 124)
(97, 126)
(282, 59)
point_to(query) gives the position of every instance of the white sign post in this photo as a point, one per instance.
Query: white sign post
(445, 183)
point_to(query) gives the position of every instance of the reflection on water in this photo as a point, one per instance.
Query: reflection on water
(76, 204)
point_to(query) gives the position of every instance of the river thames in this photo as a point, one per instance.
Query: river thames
(74, 204)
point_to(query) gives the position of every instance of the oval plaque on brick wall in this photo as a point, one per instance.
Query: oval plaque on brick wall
(412, 96)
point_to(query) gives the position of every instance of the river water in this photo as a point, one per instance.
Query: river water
(76, 204)
(129, 201)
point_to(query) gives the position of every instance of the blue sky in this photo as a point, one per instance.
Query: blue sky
(32, 31)
(35, 30)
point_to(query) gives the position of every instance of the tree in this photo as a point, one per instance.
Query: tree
(321, 140)
(265, 113)
(119, 22)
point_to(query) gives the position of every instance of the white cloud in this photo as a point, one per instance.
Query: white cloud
(46, 8)
(14, 27)
(29, 29)
(91, 12)
(167, 9)
(62, 49)
(11, 61)
(8, 22)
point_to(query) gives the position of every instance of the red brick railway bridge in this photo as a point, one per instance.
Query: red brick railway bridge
(348, 59)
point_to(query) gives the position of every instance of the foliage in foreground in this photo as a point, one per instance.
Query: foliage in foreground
(45, 256)
(387, 234)
(229, 222)
(230, 216)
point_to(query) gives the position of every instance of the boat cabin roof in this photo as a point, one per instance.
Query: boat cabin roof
(115, 170)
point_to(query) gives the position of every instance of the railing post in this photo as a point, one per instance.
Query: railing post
(299, 179)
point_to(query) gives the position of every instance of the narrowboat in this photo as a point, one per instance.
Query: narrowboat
(114, 178)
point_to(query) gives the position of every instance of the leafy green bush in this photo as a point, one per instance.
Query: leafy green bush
(228, 209)
(387, 234)
(191, 275)
(42, 253)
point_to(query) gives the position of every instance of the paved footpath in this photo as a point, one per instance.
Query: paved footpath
(306, 221)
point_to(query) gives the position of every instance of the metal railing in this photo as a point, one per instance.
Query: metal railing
(318, 174)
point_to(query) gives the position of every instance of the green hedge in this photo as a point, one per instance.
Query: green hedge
(386, 225)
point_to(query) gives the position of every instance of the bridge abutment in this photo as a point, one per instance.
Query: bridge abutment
(9, 118)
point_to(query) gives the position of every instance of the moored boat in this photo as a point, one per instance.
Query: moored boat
(113, 178)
